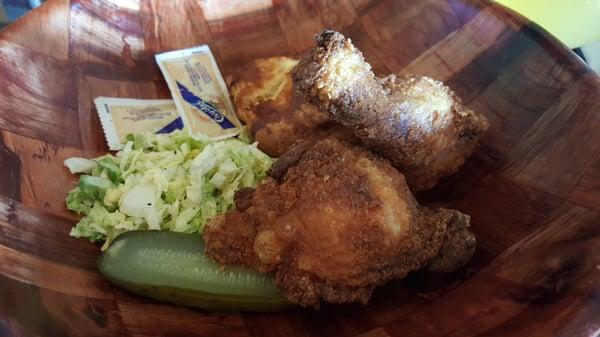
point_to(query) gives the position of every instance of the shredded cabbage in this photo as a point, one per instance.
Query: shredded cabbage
(162, 182)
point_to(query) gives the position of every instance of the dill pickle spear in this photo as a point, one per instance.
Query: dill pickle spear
(172, 267)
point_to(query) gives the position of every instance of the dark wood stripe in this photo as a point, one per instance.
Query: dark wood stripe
(540, 273)
(392, 25)
(43, 235)
(21, 303)
(479, 165)
(573, 119)
(284, 323)
(503, 212)
(347, 320)
(481, 72)
(38, 161)
(146, 317)
(145, 70)
(466, 10)
(42, 312)
(512, 104)
(508, 52)
(460, 47)
(563, 57)
(587, 190)
(10, 168)
(173, 34)
(230, 32)
(238, 26)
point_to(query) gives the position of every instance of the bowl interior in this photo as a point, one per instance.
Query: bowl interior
(532, 189)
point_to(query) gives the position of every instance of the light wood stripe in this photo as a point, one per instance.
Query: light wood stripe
(51, 275)
(459, 48)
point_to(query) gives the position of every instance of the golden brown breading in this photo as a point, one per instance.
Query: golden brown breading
(333, 221)
(276, 115)
(458, 247)
(419, 124)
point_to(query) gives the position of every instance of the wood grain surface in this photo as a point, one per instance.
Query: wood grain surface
(532, 189)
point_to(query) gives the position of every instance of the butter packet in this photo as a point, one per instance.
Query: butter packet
(122, 116)
(199, 92)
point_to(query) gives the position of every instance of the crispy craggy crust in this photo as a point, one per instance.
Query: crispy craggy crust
(419, 124)
(276, 115)
(459, 244)
(333, 222)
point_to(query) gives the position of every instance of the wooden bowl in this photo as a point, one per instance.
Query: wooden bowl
(532, 190)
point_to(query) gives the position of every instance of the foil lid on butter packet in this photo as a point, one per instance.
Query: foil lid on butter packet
(199, 92)
(122, 116)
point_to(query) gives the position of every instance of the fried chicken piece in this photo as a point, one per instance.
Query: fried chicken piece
(458, 247)
(275, 114)
(333, 221)
(419, 124)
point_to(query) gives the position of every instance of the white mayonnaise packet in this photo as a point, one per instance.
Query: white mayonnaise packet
(122, 116)
(199, 92)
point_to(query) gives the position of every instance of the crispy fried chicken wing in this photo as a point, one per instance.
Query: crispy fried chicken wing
(333, 221)
(419, 124)
(276, 115)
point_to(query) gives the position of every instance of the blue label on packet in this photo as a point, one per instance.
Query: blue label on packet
(205, 107)
(176, 124)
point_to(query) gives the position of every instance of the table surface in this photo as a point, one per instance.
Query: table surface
(532, 189)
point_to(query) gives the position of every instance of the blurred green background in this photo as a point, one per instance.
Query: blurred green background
(575, 22)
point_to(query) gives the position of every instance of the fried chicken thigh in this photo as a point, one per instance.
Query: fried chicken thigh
(276, 115)
(332, 222)
(418, 123)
